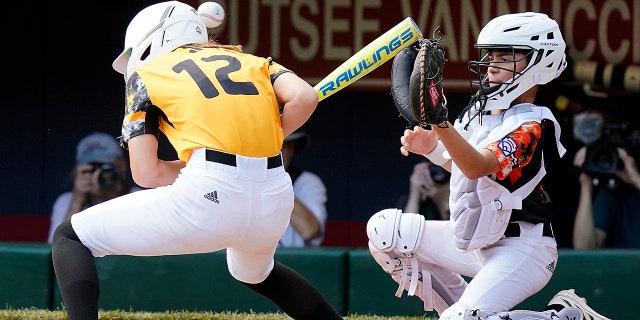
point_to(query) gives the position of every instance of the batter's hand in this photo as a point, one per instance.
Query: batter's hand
(418, 141)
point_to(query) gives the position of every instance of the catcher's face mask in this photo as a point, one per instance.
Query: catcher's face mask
(498, 72)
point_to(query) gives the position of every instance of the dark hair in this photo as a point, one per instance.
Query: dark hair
(212, 43)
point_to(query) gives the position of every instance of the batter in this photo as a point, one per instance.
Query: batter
(226, 114)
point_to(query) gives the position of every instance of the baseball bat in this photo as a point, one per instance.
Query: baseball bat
(379, 51)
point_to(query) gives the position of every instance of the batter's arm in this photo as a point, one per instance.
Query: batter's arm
(146, 169)
(298, 98)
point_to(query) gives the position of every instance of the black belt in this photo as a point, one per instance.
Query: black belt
(230, 159)
(513, 230)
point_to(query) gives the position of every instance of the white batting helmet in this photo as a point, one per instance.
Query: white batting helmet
(158, 29)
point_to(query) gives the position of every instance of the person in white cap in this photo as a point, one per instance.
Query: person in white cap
(100, 174)
(309, 215)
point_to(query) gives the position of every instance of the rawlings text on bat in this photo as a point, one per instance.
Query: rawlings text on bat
(379, 51)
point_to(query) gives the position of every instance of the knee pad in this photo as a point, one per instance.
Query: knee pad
(393, 237)
(390, 230)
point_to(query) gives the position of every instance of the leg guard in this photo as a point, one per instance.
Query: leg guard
(398, 234)
(393, 238)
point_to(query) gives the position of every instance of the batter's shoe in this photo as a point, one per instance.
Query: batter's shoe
(568, 298)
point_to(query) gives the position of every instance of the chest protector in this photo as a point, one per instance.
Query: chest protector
(481, 208)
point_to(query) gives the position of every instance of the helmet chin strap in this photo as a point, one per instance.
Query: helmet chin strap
(488, 90)
(480, 99)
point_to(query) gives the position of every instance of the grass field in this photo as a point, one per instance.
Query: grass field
(35, 314)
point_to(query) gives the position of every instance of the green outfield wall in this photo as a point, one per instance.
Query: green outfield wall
(348, 277)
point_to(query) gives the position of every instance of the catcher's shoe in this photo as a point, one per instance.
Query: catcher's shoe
(568, 298)
(569, 313)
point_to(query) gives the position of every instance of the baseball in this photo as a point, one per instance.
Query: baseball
(212, 13)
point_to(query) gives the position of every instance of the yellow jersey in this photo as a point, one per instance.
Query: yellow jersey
(206, 97)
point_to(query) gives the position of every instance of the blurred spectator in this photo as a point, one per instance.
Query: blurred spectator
(100, 174)
(309, 215)
(428, 192)
(608, 212)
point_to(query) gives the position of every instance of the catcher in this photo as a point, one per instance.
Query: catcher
(499, 232)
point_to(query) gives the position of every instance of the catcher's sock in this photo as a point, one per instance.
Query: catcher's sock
(76, 274)
(294, 294)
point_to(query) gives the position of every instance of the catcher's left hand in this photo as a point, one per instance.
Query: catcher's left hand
(416, 80)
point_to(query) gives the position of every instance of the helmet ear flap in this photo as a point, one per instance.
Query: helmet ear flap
(562, 65)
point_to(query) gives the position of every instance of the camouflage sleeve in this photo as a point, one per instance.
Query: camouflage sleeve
(141, 116)
(516, 149)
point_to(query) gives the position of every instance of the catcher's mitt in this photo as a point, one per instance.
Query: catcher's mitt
(416, 80)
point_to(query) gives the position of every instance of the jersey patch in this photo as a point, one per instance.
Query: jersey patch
(508, 146)
(516, 150)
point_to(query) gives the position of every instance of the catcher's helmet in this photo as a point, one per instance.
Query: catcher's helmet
(534, 34)
(158, 29)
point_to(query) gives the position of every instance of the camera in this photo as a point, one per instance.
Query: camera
(109, 176)
(602, 160)
(439, 174)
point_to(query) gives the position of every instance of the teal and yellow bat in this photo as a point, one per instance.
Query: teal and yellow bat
(379, 51)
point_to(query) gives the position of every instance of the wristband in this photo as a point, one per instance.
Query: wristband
(437, 154)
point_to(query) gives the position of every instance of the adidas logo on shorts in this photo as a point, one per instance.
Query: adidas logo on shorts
(213, 196)
(551, 266)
